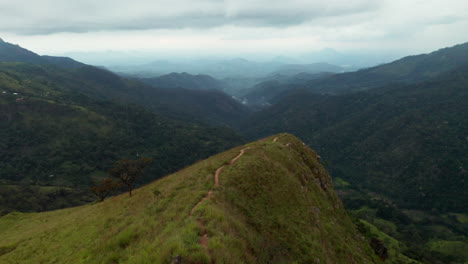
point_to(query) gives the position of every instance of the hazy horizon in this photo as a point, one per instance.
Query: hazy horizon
(213, 28)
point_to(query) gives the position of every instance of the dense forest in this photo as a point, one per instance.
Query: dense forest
(61, 133)
(398, 155)
(390, 140)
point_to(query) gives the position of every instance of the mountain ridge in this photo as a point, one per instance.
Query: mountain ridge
(161, 222)
(15, 53)
(408, 70)
(76, 77)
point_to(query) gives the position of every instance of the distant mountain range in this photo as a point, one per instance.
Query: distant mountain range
(411, 69)
(236, 77)
(221, 69)
(314, 68)
(255, 92)
(360, 59)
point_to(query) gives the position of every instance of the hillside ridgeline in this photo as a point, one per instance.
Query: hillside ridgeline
(270, 201)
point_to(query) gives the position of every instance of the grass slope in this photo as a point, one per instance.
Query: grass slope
(275, 204)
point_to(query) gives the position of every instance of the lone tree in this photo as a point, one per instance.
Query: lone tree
(128, 171)
(104, 188)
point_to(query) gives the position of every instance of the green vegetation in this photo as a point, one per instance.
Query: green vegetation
(415, 230)
(398, 154)
(404, 142)
(209, 106)
(391, 149)
(395, 248)
(34, 198)
(55, 130)
(458, 250)
(275, 204)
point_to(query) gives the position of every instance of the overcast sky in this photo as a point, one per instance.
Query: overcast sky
(233, 26)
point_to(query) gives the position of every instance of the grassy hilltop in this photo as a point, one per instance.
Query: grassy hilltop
(273, 204)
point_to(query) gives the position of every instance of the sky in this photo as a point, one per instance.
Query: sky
(217, 27)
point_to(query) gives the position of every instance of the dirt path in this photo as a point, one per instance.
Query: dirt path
(204, 239)
(238, 156)
(204, 236)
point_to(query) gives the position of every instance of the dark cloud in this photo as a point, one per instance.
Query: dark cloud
(229, 26)
(54, 16)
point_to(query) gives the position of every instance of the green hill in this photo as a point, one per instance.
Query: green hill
(269, 201)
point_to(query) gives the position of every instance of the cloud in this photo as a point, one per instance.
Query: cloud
(233, 26)
(55, 16)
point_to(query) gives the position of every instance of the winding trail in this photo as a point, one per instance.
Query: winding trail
(204, 237)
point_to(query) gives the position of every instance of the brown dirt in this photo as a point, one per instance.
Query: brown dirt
(204, 239)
